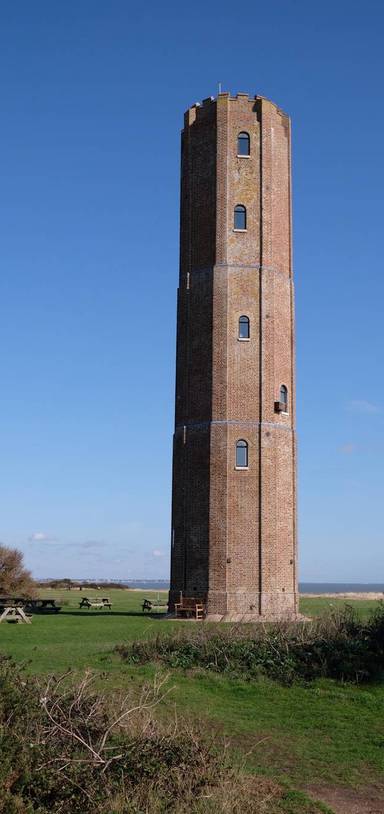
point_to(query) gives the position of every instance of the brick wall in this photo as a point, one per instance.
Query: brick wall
(234, 531)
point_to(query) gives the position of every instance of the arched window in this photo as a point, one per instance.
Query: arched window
(244, 327)
(242, 454)
(243, 144)
(240, 217)
(284, 398)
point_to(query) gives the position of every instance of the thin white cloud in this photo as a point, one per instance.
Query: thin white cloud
(157, 552)
(363, 406)
(41, 537)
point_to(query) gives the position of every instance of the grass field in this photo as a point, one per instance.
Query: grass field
(324, 734)
(85, 638)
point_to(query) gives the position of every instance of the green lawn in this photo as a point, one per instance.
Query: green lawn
(78, 638)
(323, 733)
(317, 606)
(82, 638)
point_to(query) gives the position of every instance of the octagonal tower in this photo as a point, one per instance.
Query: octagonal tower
(234, 458)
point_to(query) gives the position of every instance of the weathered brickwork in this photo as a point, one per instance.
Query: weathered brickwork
(234, 529)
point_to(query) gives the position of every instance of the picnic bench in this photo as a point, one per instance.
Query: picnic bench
(12, 600)
(190, 606)
(96, 603)
(153, 604)
(43, 606)
(15, 614)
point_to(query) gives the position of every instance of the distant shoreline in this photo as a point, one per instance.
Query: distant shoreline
(307, 590)
(373, 595)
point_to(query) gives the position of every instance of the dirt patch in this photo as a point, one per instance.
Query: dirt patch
(342, 800)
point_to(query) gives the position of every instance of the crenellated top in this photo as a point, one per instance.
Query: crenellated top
(225, 96)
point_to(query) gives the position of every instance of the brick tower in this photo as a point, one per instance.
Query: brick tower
(234, 458)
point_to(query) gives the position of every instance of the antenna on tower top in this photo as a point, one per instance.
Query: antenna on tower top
(219, 85)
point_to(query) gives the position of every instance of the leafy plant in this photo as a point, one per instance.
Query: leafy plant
(340, 646)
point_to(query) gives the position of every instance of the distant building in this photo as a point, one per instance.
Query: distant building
(234, 459)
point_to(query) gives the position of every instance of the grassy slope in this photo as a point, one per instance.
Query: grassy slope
(306, 734)
(323, 733)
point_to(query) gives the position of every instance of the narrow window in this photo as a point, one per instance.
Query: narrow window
(240, 217)
(242, 454)
(244, 327)
(284, 398)
(243, 144)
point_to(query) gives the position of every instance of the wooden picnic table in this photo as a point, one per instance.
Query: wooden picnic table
(96, 603)
(12, 600)
(15, 613)
(43, 606)
(153, 604)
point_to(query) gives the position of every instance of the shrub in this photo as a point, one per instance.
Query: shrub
(14, 578)
(339, 646)
(66, 748)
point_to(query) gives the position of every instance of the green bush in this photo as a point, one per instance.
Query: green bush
(66, 748)
(341, 646)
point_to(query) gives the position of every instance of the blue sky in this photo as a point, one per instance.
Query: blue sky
(92, 100)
